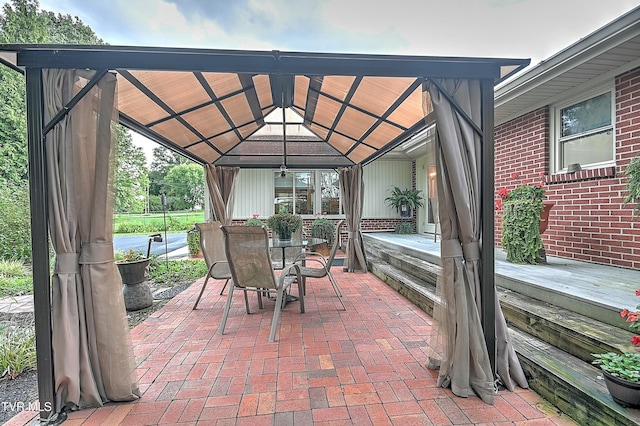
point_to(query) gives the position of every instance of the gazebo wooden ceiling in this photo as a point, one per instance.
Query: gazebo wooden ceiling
(207, 104)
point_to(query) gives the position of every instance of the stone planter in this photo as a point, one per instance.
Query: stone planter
(622, 391)
(136, 291)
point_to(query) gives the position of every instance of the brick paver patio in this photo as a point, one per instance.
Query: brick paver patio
(362, 366)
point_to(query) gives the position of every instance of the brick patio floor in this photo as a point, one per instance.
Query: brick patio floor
(362, 366)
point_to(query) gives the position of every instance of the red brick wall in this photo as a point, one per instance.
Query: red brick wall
(589, 221)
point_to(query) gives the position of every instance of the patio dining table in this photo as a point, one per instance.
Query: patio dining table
(303, 243)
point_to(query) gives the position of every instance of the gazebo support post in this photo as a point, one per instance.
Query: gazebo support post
(40, 241)
(487, 256)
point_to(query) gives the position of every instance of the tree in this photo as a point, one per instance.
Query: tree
(186, 186)
(22, 22)
(131, 175)
(163, 160)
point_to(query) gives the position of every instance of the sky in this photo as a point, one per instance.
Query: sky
(532, 29)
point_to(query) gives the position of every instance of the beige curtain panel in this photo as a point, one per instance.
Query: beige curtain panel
(462, 356)
(92, 351)
(352, 187)
(221, 182)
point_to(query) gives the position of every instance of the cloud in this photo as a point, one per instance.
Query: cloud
(533, 29)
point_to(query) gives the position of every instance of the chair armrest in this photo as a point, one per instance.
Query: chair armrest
(311, 256)
(286, 272)
(220, 262)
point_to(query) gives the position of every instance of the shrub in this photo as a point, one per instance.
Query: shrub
(322, 227)
(254, 222)
(193, 241)
(177, 270)
(404, 228)
(15, 279)
(15, 226)
(17, 349)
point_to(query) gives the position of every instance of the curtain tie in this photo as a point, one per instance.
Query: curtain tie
(450, 248)
(94, 253)
(471, 250)
(67, 263)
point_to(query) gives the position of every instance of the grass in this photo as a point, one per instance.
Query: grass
(17, 349)
(15, 279)
(154, 222)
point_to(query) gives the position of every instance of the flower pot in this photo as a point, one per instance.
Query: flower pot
(284, 236)
(544, 216)
(136, 292)
(134, 272)
(622, 391)
(405, 210)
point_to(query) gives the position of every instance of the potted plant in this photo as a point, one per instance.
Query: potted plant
(622, 370)
(524, 219)
(254, 221)
(403, 200)
(284, 224)
(633, 185)
(322, 227)
(134, 270)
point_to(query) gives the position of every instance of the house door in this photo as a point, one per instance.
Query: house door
(426, 181)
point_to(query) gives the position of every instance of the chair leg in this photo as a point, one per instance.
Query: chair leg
(225, 314)
(334, 284)
(195, 305)
(246, 301)
(276, 314)
(224, 286)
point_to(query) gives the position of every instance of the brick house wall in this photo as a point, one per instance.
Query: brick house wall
(589, 221)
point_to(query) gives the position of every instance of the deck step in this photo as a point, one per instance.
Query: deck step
(554, 344)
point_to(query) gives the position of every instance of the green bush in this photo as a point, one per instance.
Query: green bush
(322, 227)
(17, 349)
(404, 228)
(521, 230)
(15, 279)
(177, 271)
(254, 222)
(193, 241)
(15, 225)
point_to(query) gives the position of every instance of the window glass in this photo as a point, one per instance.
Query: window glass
(307, 192)
(590, 149)
(330, 192)
(587, 115)
(586, 132)
(283, 199)
(304, 193)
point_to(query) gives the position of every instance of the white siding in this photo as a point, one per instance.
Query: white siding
(254, 193)
(379, 177)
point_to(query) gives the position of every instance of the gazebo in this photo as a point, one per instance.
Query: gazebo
(206, 104)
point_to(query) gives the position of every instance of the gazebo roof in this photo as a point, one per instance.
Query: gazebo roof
(208, 104)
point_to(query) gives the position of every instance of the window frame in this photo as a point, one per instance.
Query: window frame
(555, 128)
(317, 197)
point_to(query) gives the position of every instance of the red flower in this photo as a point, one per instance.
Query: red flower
(635, 340)
(637, 292)
(632, 317)
(624, 313)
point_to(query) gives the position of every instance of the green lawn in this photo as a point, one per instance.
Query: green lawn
(155, 222)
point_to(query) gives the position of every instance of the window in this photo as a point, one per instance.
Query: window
(585, 132)
(296, 192)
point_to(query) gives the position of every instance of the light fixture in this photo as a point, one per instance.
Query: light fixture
(283, 171)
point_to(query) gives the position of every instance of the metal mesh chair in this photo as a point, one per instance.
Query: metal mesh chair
(247, 249)
(212, 245)
(321, 265)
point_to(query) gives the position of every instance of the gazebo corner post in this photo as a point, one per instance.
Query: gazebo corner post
(40, 242)
(488, 288)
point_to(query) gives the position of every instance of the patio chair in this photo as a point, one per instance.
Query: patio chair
(321, 265)
(247, 249)
(212, 245)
